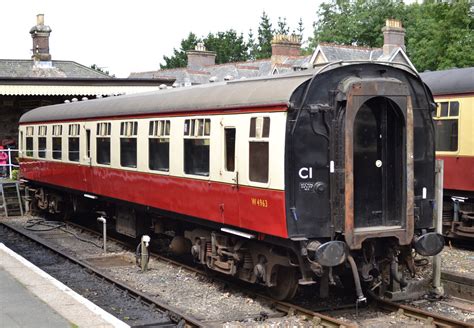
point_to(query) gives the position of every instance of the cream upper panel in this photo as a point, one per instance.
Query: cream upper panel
(217, 146)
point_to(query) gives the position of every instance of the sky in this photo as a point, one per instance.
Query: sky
(132, 36)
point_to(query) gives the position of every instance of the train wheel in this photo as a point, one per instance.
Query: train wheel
(287, 284)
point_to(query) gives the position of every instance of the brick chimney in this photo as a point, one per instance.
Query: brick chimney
(393, 36)
(40, 34)
(200, 57)
(284, 46)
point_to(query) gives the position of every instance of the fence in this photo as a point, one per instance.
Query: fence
(9, 163)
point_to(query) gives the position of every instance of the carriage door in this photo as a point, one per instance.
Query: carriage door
(229, 171)
(378, 163)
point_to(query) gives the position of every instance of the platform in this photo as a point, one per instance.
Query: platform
(29, 297)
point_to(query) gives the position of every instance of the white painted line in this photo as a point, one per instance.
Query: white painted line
(88, 304)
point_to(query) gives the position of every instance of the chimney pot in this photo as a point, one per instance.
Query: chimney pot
(393, 36)
(284, 46)
(40, 19)
(40, 35)
(200, 57)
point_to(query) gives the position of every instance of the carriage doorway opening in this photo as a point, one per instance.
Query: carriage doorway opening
(379, 158)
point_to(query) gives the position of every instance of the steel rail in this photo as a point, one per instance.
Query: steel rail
(419, 314)
(315, 318)
(175, 314)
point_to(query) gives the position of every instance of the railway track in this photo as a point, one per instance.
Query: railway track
(173, 316)
(315, 318)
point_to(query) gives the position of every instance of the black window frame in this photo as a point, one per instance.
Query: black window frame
(74, 142)
(128, 144)
(159, 145)
(229, 148)
(103, 150)
(57, 148)
(29, 143)
(197, 146)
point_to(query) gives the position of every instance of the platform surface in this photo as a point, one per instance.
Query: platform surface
(29, 297)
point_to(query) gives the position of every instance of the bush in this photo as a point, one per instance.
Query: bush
(15, 174)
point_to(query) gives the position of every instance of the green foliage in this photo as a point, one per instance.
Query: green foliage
(439, 35)
(282, 27)
(100, 69)
(229, 46)
(355, 22)
(15, 174)
(251, 45)
(265, 36)
(179, 58)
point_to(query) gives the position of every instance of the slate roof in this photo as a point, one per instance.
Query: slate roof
(451, 81)
(265, 67)
(335, 52)
(23, 68)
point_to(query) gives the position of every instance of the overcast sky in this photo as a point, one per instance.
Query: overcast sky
(132, 36)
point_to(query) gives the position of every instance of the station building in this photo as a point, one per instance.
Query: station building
(28, 83)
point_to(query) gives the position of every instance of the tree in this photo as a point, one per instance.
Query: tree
(355, 22)
(283, 28)
(251, 46)
(300, 29)
(265, 36)
(438, 35)
(101, 69)
(229, 46)
(179, 58)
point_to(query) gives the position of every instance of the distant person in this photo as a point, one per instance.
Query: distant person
(3, 162)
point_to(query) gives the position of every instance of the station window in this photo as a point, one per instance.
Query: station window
(229, 153)
(29, 141)
(159, 145)
(128, 144)
(57, 141)
(446, 126)
(196, 146)
(73, 142)
(42, 132)
(259, 149)
(103, 143)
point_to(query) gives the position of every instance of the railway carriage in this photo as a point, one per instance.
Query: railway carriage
(453, 91)
(284, 181)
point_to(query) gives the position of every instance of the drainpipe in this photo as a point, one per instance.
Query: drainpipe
(439, 171)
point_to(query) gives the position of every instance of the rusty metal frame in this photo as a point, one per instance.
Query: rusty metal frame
(357, 90)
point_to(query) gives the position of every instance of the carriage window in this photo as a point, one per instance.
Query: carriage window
(446, 126)
(229, 149)
(103, 143)
(73, 142)
(446, 135)
(259, 149)
(29, 141)
(443, 111)
(196, 146)
(42, 131)
(57, 141)
(454, 108)
(159, 145)
(128, 144)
